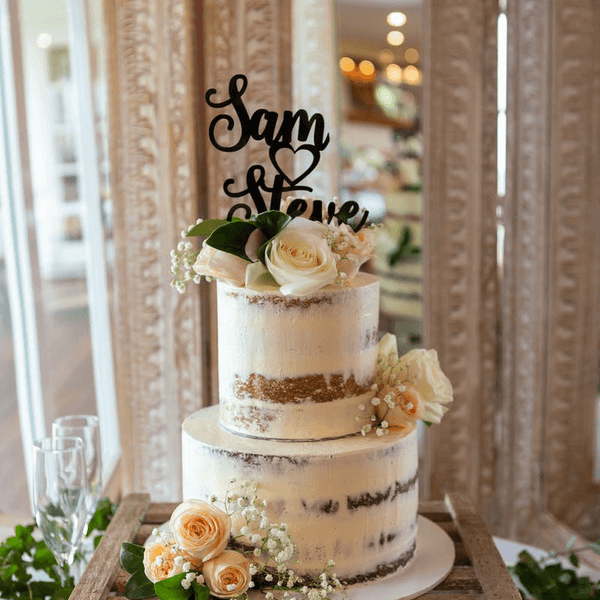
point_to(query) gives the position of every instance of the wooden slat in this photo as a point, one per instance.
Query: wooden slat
(434, 595)
(496, 582)
(104, 567)
(159, 512)
(461, 579)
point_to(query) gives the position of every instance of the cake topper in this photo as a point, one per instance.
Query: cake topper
(279, 135)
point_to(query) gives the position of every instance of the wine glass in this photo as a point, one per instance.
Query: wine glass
(59, 496)
(85, 427)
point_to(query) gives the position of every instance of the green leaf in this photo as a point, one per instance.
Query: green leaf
(205, 228)
(201, 591)
(171, 589)
(132, 557)
(232, 238)
(595, 546)
(101, 518)
(573, 559)
(272, 222)
(404, 249)
(139, 586)
(43, 559)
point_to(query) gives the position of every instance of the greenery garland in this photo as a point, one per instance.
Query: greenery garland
(28, 569)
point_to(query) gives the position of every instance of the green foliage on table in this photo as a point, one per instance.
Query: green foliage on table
(544, 580)
(139, 586)
(24, 561)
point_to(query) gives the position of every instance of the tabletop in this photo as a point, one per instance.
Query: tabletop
(478, 573)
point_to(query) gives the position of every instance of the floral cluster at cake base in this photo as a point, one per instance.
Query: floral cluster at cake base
(211, 552)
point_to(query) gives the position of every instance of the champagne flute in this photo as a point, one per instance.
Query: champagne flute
(87, 428)
(59, 496)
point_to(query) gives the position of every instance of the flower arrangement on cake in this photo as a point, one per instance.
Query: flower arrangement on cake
(276, 250)
(221, 552)
(409, 388)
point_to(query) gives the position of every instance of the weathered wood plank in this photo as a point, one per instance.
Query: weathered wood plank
(461, 579)
(496, 582)
(104, 567)
(435, 595)
(159, 512)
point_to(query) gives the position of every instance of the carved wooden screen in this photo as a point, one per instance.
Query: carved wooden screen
(521, 350)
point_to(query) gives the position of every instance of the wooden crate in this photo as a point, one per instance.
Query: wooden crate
(479, 572)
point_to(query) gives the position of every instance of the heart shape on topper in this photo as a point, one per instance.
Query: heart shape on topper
(280, 149)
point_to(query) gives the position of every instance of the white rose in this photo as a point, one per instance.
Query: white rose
(227, 575)
(421, 370)
(200, 529)
(353, 248)
(221, 265)
(300, 259)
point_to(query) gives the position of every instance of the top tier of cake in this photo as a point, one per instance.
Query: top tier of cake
(297, 368)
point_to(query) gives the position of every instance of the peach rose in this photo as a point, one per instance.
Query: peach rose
(220, 265)
(159, 560)
(408, 407)
(352, 248)
(201, 530)
(227, 575)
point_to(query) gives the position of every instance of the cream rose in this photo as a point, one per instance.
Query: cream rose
(227, 575)
(418, 370)
(159, 560)
(201, 530)
(300, 259)
(221, 265)
(352, 249)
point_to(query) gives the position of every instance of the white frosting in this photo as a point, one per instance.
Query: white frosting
(281, 340)
(351, 500)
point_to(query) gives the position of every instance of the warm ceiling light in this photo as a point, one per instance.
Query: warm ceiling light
(412, 75)
(411, 55)
(396, 19)
(394, 73)
(395, 38)
(366, 67)
(347, 64)
(386, 56)
(43, 40)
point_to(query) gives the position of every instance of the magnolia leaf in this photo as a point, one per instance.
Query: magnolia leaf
(132, 557)
(171, 588)
(205, 228)
(232, 238)
(201, 591)
(272, 222)
(139, 586)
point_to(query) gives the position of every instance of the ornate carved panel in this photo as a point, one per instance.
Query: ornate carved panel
(550, 287)
(158, 350)
(315, 85)
(574, 253)
(460, 250)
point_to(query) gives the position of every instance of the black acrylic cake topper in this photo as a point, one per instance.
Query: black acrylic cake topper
(263, 125)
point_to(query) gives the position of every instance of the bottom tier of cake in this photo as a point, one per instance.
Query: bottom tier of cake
(352, 500)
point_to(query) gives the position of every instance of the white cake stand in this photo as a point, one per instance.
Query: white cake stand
(433, 562)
